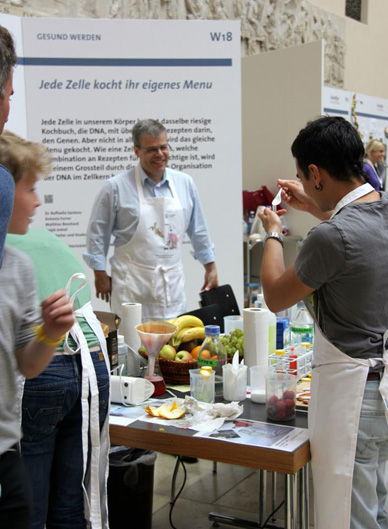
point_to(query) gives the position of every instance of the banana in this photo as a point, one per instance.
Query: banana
(184, 324)
(192, 333)
(187, 321)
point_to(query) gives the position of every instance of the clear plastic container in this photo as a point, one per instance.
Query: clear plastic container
(234, 382)
(280, 396)
(213, 353)
(257, 378)
(202, 385)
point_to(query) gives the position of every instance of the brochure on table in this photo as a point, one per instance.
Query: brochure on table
(240, 431)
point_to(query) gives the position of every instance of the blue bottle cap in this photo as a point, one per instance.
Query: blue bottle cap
(212, 330)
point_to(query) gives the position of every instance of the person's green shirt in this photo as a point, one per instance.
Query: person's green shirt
(54, 263)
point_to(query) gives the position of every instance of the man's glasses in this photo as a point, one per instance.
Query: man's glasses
(154, 150)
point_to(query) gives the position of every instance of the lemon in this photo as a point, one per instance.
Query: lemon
(205, 374)
(207, 368)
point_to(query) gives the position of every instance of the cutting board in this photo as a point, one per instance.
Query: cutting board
(302, 387)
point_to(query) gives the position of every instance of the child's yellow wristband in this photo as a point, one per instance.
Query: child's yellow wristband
(42, 337)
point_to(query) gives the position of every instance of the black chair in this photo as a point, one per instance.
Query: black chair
(224, 297)
(210, 315)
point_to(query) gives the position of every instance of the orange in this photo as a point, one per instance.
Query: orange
(215, 357)
(205, 354)
(194, 352)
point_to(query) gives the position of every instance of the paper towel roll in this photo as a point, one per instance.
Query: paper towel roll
(255, 336)
(130, 317)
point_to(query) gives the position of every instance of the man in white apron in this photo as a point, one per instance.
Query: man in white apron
(148, 210)
(339, 269)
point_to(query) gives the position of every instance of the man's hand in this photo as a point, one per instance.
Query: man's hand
(103, 284)
(294, 195)
(211, 277)
(271, 220)
(57, 315)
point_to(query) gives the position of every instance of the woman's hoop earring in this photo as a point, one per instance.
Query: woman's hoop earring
(319, 188)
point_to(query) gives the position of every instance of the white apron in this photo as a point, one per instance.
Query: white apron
(337, 390)
(95, 477)
(148, 269)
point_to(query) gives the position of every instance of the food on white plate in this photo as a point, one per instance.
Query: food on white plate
(170, 410)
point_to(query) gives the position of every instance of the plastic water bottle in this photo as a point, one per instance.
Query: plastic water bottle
(213, 353)
(250, 221)
(302, 327)
(245, 228)
(259, 301)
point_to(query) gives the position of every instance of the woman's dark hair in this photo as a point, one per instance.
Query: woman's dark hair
(331, 143)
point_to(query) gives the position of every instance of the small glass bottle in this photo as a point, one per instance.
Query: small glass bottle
(213, 353)
(281, 365)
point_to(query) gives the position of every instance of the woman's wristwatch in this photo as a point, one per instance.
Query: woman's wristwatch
(274, 235)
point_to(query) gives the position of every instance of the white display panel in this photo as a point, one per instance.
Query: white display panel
(368, 113)
(86, 82)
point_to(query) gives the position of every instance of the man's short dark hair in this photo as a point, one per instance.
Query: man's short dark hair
(151, 127)
(331, 143)
(8, 58)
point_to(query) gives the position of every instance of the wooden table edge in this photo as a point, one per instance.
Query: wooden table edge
(263, 458)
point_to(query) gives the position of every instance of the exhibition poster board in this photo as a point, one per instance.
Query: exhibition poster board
(81, 85)
(368, 113)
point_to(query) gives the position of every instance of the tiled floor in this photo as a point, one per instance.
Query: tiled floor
(232, 490)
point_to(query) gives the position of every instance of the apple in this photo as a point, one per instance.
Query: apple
(183, 356)
(167, 352)
(143, 350)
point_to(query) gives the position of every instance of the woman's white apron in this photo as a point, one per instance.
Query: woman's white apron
(148, 269)
(95, 474)
(337, 390)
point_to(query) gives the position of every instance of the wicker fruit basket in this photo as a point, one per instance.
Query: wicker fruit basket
(174, 372)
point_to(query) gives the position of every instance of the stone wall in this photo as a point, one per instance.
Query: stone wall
(265, 24)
